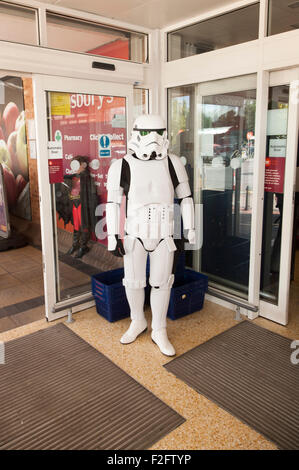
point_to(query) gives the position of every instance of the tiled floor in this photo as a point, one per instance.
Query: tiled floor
(21, 279)
(19, 268)
(207, 426)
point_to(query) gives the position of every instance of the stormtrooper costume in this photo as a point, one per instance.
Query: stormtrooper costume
(150, 179)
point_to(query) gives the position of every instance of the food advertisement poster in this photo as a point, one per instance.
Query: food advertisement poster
(13, 147)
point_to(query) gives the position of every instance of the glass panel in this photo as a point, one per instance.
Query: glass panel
(283, 16)
(226, 153)
(85, 132)
(181, 132)
(18, 24)
(229, 29)
(21, 272)
(75, 35)
(140, 100)
(213, 125)
(13, 147)
(274, 190)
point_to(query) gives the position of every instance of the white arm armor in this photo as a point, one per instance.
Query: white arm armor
(183, 192)
(114, 199)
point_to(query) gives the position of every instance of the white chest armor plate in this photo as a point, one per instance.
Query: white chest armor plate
(150, 199)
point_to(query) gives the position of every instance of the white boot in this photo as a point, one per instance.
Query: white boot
(138, 324)
(159, 305)
(160, 338)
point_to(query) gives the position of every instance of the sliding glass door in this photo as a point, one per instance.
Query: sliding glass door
(81, 127)
(216, 133)
(245, 188)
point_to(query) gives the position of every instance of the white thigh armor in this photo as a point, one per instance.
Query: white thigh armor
(161, 263)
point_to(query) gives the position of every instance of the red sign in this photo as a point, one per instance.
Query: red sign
(274, 174)
(55, 170)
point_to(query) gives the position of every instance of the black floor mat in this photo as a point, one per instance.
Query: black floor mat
(247, 370)
(58, 392)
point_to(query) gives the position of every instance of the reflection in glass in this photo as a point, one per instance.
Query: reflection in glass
(225, 163)
(71, 34)
(13, 147)
(18, 24)
(181, 132)
(86, 132)
(274, 189)
(283, 16)
(216, 134)
(21, 272)
(234, 27)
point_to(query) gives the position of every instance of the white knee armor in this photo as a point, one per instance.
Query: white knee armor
(150, 179)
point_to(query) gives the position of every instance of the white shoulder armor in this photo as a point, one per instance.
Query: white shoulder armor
(114, 174)
(182, 188)
(179, 168)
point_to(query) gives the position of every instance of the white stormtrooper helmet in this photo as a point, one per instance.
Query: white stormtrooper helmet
(148, 136)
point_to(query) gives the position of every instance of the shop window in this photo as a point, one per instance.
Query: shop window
(18, 24)
(232, 28)
(74, 35)
(283, 16)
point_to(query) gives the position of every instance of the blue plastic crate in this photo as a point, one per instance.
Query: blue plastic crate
(187, 294)
(180, 267)
(110, 295)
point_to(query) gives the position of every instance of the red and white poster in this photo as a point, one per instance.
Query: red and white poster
(93, 126)
(274, 174)
(275, 166)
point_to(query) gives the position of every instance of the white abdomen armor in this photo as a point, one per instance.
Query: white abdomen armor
(150, 200)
